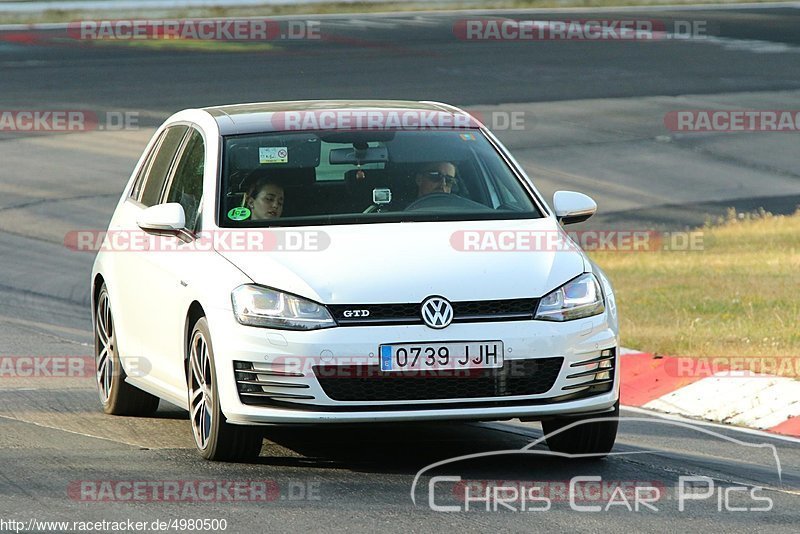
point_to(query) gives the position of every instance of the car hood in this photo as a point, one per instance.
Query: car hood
(407, 262)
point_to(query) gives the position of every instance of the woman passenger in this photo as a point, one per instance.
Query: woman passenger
(264, 198)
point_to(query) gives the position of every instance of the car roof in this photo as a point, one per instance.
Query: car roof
(265, 116)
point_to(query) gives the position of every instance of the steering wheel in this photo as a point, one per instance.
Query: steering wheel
(432, 199)
(446, 203)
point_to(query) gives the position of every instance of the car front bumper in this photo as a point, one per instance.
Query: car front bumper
(301, 398)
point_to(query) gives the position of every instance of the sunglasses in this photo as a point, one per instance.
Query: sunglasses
(437, 176)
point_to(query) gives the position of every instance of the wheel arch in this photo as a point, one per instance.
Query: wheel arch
(97, 284)
(193, 314)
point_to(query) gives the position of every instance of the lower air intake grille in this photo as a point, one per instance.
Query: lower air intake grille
(368, 383)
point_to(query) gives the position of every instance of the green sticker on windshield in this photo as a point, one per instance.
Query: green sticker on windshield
(239, 214)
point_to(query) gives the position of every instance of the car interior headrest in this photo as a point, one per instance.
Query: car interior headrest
(286, 178)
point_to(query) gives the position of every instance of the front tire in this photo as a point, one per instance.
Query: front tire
(590, 437)
(116, 395)
(214, 437)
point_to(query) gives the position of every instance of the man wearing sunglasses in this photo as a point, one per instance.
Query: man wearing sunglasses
(436, 178)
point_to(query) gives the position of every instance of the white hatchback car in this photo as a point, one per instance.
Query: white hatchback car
(349, 261)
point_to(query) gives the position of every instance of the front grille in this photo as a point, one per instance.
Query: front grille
(368, 383)
(411, 313)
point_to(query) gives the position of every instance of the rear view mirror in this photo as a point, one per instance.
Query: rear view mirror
(572, 207)
(359, 156)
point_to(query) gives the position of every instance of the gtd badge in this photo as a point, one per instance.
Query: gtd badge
(355, 313)
(437, 312)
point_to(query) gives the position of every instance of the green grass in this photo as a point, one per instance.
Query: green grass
(198, 45)
(738, 297)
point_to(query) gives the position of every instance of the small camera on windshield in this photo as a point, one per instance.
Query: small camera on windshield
(381, 196)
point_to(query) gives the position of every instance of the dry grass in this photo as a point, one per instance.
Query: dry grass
(739, 296)
(333, 7)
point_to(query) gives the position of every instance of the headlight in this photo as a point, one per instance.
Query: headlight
(261, 306)
(576, 299)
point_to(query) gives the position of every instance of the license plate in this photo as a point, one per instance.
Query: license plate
(429, 356)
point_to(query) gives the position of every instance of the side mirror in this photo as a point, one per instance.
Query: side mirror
(168, 219)
(572, 207)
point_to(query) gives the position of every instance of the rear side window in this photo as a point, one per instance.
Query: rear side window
(187, 182)
(159, 168)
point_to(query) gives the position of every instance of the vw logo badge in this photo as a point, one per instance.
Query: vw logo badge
(437, 312)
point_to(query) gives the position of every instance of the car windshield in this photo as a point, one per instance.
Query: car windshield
(338, 177)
